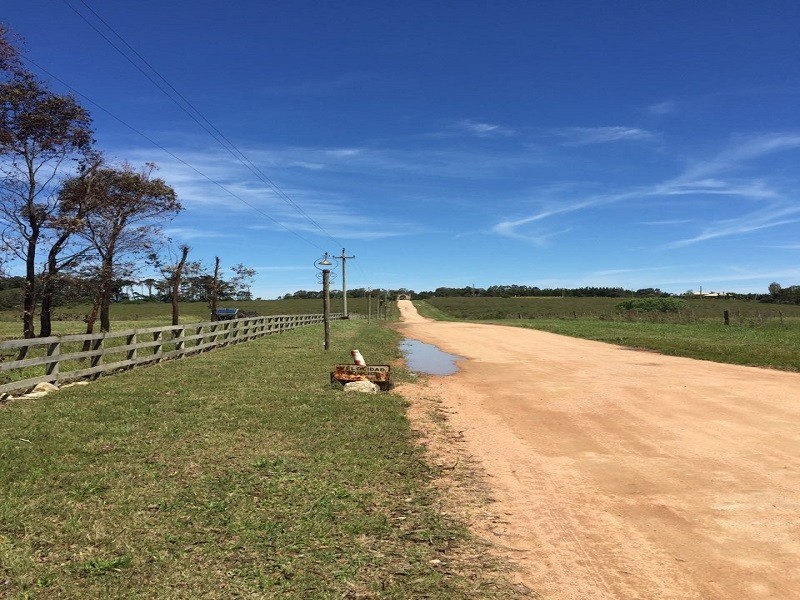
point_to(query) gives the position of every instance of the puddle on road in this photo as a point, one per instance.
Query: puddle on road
(427, 358)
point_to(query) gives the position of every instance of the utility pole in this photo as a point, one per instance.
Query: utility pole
(323, 264)
(344, 258)
(326, 306)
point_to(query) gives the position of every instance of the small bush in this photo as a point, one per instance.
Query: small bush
(672, 305)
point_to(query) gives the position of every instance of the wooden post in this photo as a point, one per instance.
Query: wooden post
(179, 335)
(54, 352)
(326, 306)
(131, 341)
(158, 349)
(97, 359)
(344, 258)
(727, 317)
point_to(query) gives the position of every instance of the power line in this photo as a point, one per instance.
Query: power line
(170, 153)
(187, 107)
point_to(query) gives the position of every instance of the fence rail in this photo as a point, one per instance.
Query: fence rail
(57, 359)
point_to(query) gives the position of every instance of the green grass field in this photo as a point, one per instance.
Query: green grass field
(705, 309)
(766, 335)
(237, 473)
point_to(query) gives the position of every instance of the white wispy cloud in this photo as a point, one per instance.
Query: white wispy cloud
(510, 228)
(666, 222)
(742, 151)
(584, 136)
(772, 216)
(482, 129)
(608, 272)
(345, 226)
(663, 108)
(191, 233)
(703, 179)
(715, 187)
(284, 268)
(344, 152)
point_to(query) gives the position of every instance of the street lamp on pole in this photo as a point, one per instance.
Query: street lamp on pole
(324, 264)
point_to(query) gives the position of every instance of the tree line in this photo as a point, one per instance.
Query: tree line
(81, 225)
(787, 295)
(495, 291)
(72, 290)
(783, 295)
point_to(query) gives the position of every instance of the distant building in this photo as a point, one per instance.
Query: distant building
(712, 294)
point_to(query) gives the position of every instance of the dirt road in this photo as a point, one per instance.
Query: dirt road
(626, 474)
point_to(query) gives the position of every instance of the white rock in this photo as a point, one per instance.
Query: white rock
(366, 387)
(74, 383)
(45, 387)
(34, 395)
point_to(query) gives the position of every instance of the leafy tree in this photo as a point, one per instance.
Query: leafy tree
(39, 130)
(241, 281)
(128, 209)
(9, 55)
(149, 282)
(75, 201)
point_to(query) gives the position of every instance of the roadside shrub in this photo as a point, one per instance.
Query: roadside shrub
(671, 305)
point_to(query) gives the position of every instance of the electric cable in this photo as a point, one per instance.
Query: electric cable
(193, 113)
(172, 154)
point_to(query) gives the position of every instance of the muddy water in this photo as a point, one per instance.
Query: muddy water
(427, 358)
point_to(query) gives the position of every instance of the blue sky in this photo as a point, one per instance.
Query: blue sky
(550, 143)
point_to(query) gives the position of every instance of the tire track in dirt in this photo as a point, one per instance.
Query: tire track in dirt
(625, 474)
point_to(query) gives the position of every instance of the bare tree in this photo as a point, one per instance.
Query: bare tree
(125, 220)
(175, 282)
(213, 296)
(38, 131)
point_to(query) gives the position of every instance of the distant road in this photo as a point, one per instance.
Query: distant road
(626, 474)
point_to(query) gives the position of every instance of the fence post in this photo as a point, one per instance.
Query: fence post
(178, 334)
(131, 341)
(726, 315)
(158, 349)
(97, 359)
(54, 352)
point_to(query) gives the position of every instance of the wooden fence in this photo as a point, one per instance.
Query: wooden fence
(71, 357)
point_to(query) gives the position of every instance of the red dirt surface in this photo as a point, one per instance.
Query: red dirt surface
(624, 474)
